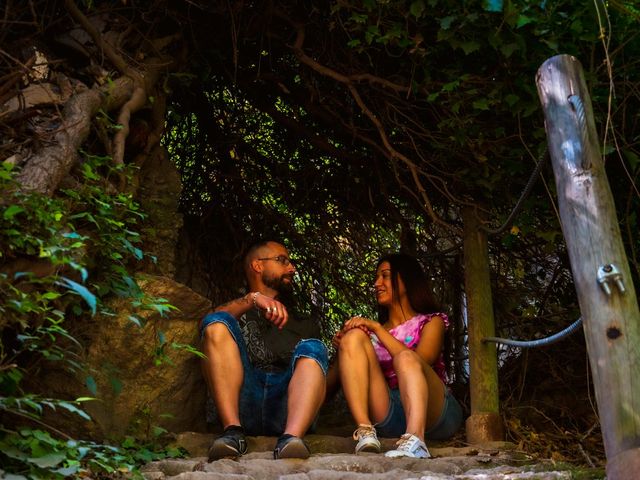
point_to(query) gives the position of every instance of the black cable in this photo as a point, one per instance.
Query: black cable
(523, 196)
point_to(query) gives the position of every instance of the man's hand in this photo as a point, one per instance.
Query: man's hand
(272, 309)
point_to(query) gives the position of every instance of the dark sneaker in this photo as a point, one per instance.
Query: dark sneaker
(231, 444)
(290, 446)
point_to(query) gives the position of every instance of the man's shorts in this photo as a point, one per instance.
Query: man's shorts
(395, 423)
(263, 397)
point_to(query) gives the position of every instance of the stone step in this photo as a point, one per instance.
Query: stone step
(333, 459)
(197, 444)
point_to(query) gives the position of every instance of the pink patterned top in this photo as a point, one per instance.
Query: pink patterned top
(409, 334)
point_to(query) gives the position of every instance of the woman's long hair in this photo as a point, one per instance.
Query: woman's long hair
(416, 282)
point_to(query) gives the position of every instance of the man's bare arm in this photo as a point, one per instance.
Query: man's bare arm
(238, 306)
(274, 311)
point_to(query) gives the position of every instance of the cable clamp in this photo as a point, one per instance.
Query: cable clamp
(609, 274)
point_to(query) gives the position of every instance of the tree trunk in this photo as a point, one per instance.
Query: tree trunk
(44, 171)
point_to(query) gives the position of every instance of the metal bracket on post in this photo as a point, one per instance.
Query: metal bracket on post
(608, 274)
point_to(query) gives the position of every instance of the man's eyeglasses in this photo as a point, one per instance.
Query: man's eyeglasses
(281, 259)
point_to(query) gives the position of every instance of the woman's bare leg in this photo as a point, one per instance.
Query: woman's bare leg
(363, 382)
(419, 386)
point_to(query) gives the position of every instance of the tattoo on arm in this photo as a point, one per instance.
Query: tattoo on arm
(236, 301)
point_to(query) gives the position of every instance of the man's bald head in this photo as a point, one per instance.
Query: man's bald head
(262, 249)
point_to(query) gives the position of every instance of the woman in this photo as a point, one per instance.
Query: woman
(392, 371)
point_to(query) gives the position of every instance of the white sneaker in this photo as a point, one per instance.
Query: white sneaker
(409, 446)
(367, 439)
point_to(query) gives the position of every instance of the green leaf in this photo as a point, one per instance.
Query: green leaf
(12, 211)
(48, 461)
(81, 290)
(481, 104)
(470, 47)
(511, 99)
(632, 158)
(417, 8)
(524, 20)
(508, 49)
(157, 431)
(492, 5)
(50, 295)
(116, 385)
(67, 471)
(73, 409)
(85, 399)
(445, 23)
(92, 386)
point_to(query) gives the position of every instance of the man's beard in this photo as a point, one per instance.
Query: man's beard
(279, 284)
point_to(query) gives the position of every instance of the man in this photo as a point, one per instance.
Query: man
(265, 372)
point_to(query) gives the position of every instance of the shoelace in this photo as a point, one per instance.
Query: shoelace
(363, 431)
(404, 443)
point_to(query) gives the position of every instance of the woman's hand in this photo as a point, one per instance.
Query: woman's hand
(365, 324)
(335, 341)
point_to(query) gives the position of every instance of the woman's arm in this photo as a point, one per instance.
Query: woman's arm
(392, 344)
(431, 340)
(428, 348)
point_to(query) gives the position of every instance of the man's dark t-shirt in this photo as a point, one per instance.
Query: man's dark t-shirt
(268, 348)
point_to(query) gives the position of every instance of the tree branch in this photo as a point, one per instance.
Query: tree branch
(394, 154)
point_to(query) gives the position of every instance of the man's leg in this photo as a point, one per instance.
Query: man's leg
(305, 396)
(223, 371)
(305, 393)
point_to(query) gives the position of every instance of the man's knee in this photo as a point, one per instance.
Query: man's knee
(312, 350)
(219, 327)
(217, 333)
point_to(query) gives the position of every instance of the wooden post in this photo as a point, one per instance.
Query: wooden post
(607, 299)
(485, 423)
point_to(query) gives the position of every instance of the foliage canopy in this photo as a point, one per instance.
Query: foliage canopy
(346, 128)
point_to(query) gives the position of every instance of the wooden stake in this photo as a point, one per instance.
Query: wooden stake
(599, 264)
(485, 423)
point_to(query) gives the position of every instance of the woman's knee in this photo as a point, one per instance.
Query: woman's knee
(407, 360)
(352, 340)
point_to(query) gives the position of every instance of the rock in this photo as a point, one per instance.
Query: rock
(159, 194)
(134, 393)
(171, 394)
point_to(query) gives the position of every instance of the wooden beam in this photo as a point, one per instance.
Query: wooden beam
(485, 423)
(599, 264)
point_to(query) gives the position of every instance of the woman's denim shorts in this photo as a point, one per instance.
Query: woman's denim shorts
(395, 423)
(263, 397)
